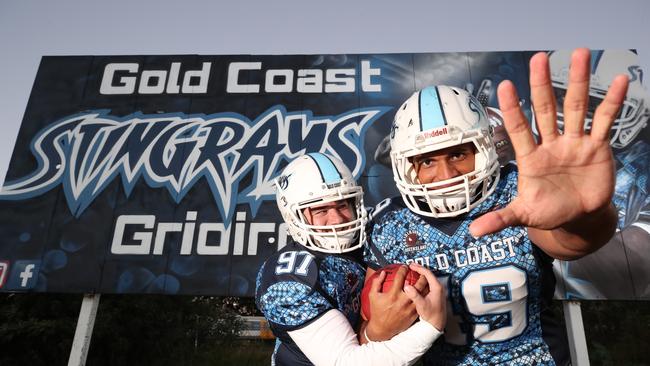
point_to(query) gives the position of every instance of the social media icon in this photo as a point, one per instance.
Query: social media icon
(4, 271)
(24, 275)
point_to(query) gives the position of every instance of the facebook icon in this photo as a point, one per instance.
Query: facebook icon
(24, 275)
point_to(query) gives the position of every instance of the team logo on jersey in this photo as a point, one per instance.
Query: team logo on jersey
(237, 157)
(413, 243)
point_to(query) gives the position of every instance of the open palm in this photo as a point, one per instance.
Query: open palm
(570, 173)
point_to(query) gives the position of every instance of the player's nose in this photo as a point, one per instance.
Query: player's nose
(335, 216)
(445, 170)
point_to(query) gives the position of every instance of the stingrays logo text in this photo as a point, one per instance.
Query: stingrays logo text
(85, 152)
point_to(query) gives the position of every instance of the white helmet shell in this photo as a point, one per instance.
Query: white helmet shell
(315, 179)
(432, 119)
(605, 65)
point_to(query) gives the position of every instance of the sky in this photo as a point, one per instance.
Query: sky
(30, 29)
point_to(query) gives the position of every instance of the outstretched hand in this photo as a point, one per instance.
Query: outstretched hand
(569, 174)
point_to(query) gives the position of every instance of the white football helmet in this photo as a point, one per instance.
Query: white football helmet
(435, 118)
(315, 179)
(605, 65)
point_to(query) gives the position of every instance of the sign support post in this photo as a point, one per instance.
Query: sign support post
(84, 331)
(576, 333)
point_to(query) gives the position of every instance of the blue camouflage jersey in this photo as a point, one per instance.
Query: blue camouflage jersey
(295, 286)
(497, 285)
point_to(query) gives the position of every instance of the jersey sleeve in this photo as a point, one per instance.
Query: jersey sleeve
(372, 253)
(287, 291)
(330, 340)
(369, 256)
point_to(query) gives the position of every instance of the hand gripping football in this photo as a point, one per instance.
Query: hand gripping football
(391, 270)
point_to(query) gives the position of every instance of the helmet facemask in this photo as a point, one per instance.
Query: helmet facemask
(338, 238)
(454, 196)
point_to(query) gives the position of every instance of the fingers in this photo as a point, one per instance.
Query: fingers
(494, 221)
(398, 280)
(414, 296)
(421, 284)
(542, 96)
(431, 307)
(514, 120)
(427, 274)
(577, 96)
(608, 109)
(377, 282)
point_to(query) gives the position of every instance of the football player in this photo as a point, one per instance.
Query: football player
(310, 290)
(490, 233)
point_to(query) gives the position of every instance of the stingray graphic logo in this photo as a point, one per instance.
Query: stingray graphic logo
(84, 153)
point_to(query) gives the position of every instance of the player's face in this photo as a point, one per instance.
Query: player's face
(445, 164)
(332, 213)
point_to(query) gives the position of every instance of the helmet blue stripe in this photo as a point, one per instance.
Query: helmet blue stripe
(431, 112)
(328, 170)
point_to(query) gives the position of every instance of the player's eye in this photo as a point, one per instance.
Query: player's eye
(460, 154)
(457, 156)
(426, 162)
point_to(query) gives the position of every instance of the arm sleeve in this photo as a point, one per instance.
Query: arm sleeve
(330, 340)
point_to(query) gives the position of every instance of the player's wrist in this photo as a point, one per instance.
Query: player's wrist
(375, 332)
(365, 335)
(437, 324)
(435, 321)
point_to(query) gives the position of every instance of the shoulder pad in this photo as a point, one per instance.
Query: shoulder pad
(387, 205)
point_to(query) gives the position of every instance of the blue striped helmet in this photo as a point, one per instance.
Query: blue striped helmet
(435, 118)
(316, 179)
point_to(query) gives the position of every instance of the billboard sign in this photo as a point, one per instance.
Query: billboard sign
(153, 174)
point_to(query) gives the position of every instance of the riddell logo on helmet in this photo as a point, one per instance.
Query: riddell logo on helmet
(430, 134)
